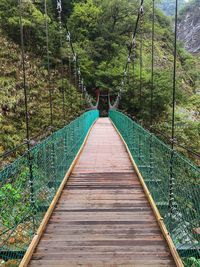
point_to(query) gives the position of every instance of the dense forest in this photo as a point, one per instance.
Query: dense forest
(101, 33)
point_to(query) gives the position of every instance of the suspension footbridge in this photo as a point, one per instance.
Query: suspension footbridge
(99, 191)
(103, 217)
(100, 195)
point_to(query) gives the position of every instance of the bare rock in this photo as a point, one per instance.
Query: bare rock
(189, 27)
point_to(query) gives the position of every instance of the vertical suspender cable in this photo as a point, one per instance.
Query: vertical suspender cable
(134, 58)
(133, 46)
(26, 112)
(171, 181)
(75, 70)
(59, 8)
(48, 63)
(24, 75)
(141, 59)
(174, 76)
(128, 71)
(69, 68)
(152, 60)
(152, 91)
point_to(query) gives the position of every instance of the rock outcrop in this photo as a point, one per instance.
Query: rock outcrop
(189, 27)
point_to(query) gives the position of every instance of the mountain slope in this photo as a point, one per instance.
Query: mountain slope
(12, 110)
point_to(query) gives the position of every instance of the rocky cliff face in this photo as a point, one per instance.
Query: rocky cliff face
(189, 27)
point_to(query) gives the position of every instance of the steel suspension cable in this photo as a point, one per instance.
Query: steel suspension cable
(74, 55)
(48, 63)
(135, 31)
(32, 200)
(171, 180)
(141, 57)
(13, 150)
(77, 72)
(132, 47)
(134, 58)
(59, 8)
(152, 61)
(174, 76)
(24, 75)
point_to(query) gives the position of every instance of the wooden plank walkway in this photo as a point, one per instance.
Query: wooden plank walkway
(103, 217)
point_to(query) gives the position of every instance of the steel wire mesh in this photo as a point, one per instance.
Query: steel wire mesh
(156, 162)
(23, 202)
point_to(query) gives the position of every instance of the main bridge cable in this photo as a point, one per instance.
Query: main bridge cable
(75, 60)
(82, 87)
(168, 140)
(31, 178)
(141, 11)
(132, 47)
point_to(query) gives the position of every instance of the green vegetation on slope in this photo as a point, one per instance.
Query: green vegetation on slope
(12, 111)
(101, 32)
(102, 41)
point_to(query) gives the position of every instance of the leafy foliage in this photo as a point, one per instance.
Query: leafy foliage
(105, 43)
(12, 111)
(101, 32)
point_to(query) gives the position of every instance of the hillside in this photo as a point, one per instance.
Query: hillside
(101, 41)
(12, 111)
(98, 34)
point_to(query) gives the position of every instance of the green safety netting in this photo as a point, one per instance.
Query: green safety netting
(24, 201)
(178, 199)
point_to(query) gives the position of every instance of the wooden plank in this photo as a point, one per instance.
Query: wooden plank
(101, 263)
(103, 217)
(196, 231)
(47, 216)
(166, 234)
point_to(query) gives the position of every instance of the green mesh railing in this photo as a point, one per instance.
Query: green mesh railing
(23, 203)
(178, 201)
